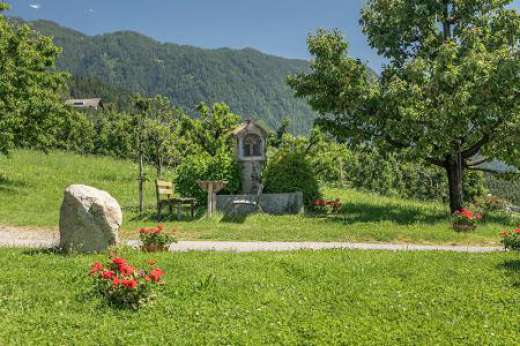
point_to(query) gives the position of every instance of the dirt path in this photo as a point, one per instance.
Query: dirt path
(41, 238)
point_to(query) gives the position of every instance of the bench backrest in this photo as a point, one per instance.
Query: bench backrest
(164, 188)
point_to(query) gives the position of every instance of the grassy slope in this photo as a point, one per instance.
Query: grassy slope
(325, 297)
(31, 188)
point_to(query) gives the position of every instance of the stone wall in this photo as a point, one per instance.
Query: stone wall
(271, 203)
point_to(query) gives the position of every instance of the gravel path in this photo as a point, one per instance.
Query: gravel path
(22, 237)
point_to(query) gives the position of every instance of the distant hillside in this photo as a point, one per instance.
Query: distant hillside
(252, 83)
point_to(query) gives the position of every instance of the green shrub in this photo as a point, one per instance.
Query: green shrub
(202, 166)
(507, 187)
(289, 170)
(390, 174)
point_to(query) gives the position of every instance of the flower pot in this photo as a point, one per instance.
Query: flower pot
(463, 227)
(154, 248)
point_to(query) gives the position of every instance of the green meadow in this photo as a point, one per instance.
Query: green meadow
(32, 184)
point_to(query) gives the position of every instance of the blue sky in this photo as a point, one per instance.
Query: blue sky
(276, 27)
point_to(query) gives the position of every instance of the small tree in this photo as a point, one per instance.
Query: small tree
(450, 91)
(31, 109)
(155, 127)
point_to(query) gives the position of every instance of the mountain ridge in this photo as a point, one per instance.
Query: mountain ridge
(251, 82)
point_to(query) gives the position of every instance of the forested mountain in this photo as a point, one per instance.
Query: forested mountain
(120, 63)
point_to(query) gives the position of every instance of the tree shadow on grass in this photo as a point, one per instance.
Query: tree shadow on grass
(513, 267)
(352, 213)
(48, 251)
(237, 218)
(10, 186)
(150, 215)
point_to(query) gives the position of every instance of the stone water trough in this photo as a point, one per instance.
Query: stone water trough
(270, 203)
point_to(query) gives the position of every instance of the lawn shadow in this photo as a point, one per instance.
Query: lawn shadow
(237, 218)
(352, 213)
(10, 186)
(48, 251)
(513, 267)
(150, 215)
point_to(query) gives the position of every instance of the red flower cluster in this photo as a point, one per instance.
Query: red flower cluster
(511, 239)
(121, 283)
(322, 203)
(468, 214)
(151, 230)
(504, 234)
(154, 239)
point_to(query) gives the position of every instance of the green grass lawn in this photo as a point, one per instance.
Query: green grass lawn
(323, 297)
(32, 184)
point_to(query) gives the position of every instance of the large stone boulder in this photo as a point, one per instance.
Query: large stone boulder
(89, 219)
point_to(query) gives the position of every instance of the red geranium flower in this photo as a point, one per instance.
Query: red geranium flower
(517, 231)
(129, 283)
(107, 275)
(96, 267)
(116, 281)
(126, 269)
(119, 261)
(156, 274)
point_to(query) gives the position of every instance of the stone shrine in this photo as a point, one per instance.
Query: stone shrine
(251, 145)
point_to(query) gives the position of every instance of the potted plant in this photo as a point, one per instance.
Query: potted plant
(511, 239)
(153, 239)
(464, 220)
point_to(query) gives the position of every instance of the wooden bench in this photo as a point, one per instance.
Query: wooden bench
(165, 198)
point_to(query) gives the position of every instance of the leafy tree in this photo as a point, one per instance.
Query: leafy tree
(155, 129)
(209, 153)
(211, 131)
(31, 110)
(449, 91)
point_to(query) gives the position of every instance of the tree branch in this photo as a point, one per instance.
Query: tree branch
(475, 148)
(436, 162)
(476, 163)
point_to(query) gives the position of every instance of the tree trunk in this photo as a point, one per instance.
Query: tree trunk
(141, 183)
(158, 163)
(455, 173)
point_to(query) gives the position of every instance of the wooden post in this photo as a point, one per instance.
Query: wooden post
(141, 183)
(210, 199)
(212, 187)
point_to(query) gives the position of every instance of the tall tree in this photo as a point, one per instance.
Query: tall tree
(31, 109)
(449, 91)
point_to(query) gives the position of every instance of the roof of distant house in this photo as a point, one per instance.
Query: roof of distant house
(247, 126)
(85, 103)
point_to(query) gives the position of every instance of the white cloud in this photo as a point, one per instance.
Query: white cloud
(35, 6)
(91, 10)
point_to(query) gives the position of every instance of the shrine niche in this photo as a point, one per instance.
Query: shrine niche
(250, 150)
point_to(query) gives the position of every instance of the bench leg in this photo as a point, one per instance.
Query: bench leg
(159, 209)
(192, 210)
(170, 206)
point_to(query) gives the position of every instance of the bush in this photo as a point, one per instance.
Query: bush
(289, 170)
(205, 167)
(390, 174)
(122, 285)
(491, 203)
(506, 187)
